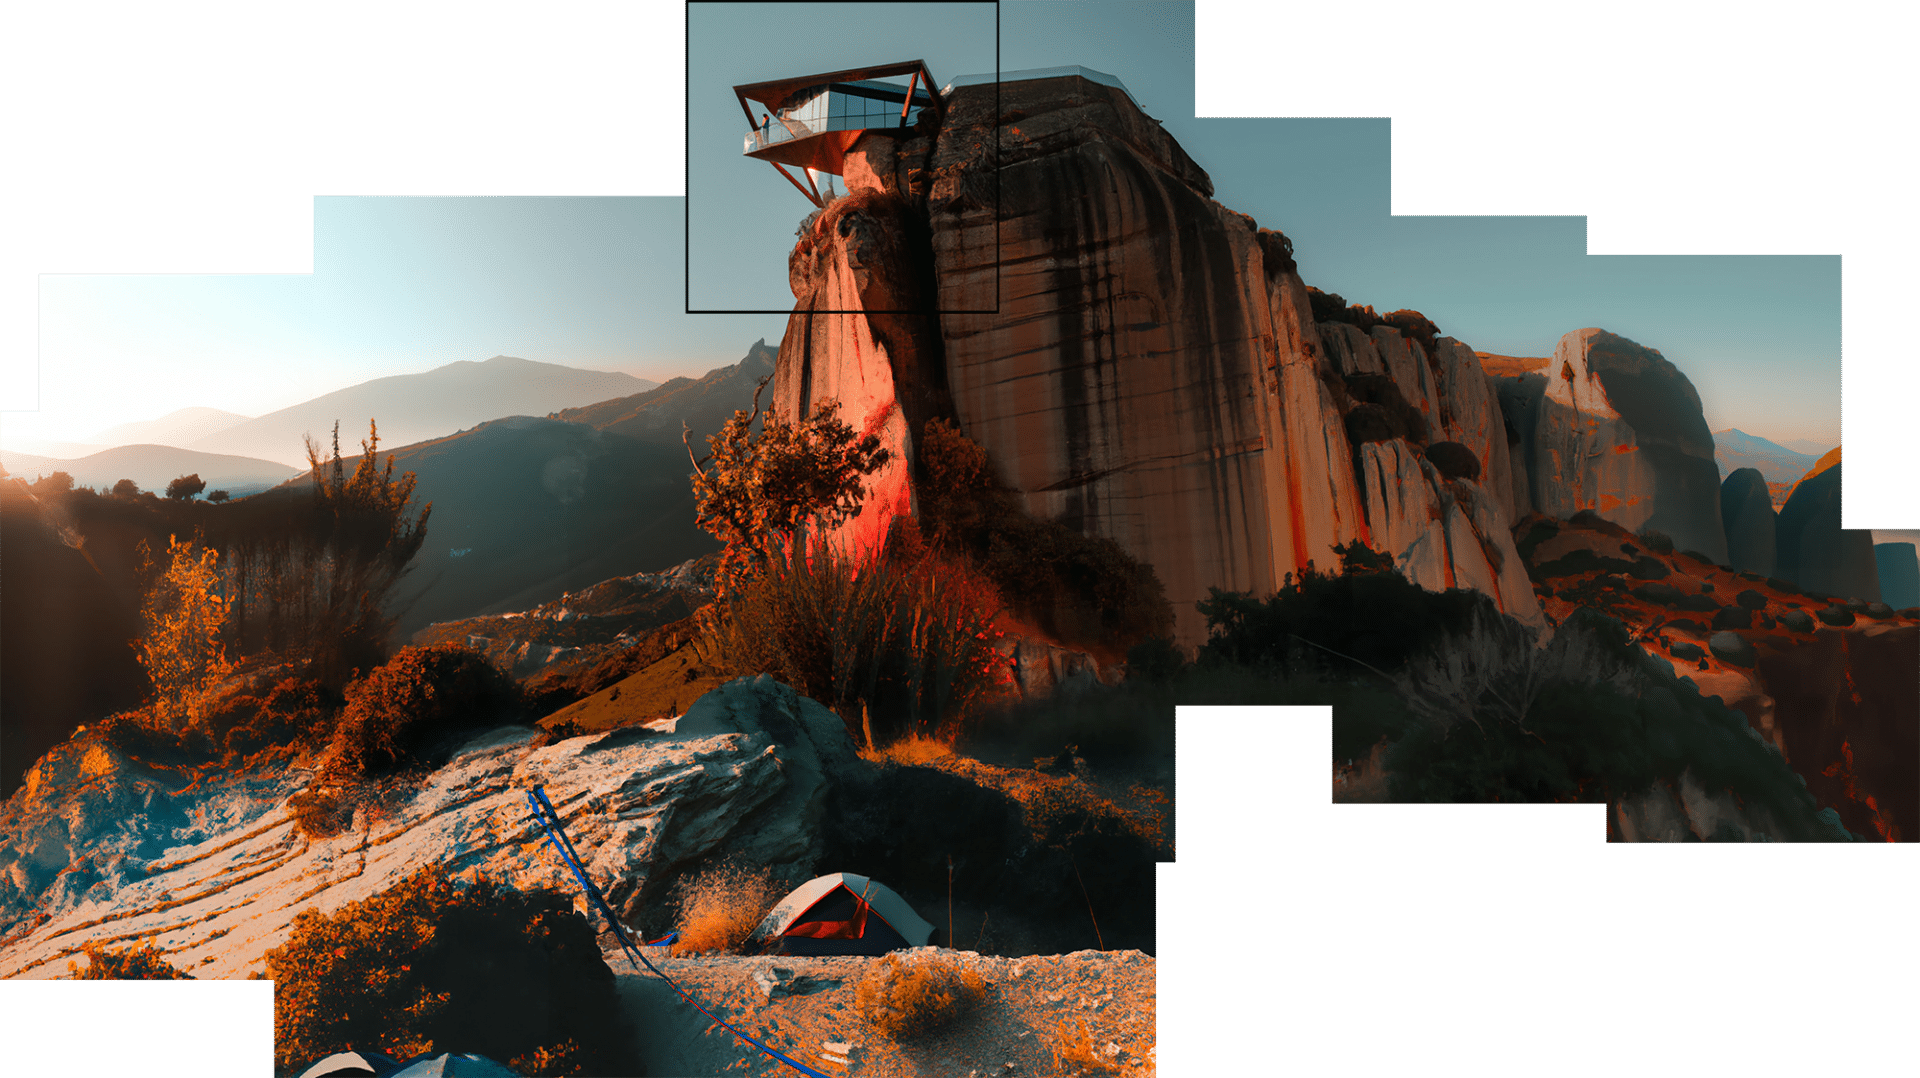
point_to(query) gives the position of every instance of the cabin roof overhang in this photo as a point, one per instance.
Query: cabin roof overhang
(825, 151)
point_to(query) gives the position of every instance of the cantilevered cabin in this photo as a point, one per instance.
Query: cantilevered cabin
(811, 121)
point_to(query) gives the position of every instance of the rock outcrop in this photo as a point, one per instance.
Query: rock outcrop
(1899, 574)
(101, 849)
(1815, 552)
(1140, 362)
(1746, 508)
(1613, 427)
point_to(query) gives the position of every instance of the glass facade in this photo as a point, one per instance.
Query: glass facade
(840, 106)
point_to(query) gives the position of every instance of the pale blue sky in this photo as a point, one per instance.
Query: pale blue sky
(1759, 337)
(399, 285)
(407, 284)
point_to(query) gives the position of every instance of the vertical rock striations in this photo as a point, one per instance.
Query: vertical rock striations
(1140, 362)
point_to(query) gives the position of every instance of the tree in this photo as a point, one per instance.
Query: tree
(185, 487)
(218, 496)
(312, 581)
(757, 495)
(126, 488)
(184, 614)
(57, 483)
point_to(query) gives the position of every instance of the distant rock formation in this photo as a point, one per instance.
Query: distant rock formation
(1899, 574)
(1140, 362)
(1746, 508)
(1814, 551)
(1612, 426)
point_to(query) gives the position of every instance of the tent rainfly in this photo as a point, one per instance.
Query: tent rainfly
(352, 1065)
(841, 913)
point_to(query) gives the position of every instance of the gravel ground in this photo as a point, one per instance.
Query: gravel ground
(1034, 1004)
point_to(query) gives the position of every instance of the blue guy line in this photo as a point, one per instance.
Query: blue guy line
(549, 821)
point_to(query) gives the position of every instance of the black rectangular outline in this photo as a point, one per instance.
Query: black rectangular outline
(686, 222)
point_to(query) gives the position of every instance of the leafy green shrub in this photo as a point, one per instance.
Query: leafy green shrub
(430, 966)
(408, 711)
(907, 649)
(902, 999)
(1156, 658)
(134, 964)
(1364, 616)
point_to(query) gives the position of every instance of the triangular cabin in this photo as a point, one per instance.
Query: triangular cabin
(811, 121)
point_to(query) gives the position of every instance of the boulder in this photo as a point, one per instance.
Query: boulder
(1683, 649)
(1814, 551)
(1746, 508)
(1836, 615)
(107, 850)
(1899, 574)
(1797, 620)
(1731, 647)
(1613, 427)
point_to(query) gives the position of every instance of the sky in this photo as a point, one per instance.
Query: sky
(406, 284)
(1759, 337)
(399, 285)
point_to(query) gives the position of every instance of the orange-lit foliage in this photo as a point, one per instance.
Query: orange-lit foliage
(755, 494)
(429, 966)
(401, 713)
(135, 964)
(721, 907)
(184, 614)
(906, 998)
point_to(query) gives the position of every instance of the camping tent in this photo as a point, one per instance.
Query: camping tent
(352, 1065)
(841, 913)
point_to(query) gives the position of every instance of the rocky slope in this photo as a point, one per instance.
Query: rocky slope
(1830, 685)
(99, 848)
(1139, 361)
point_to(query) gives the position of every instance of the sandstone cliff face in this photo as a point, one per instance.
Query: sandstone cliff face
(1617, 429)
(1814, 551)
(1746, 508)
(1139, 361)
(861, 334)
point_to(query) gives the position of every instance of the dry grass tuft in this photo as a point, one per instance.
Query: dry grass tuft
(912, 750)
(1074, 1052)
(721, 907)
(905, 999)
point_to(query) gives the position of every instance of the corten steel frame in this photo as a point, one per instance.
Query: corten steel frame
(824, 151)
(686, 275)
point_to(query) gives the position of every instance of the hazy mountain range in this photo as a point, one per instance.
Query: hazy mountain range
(416, 407)
(152, 467)
(1734, 449)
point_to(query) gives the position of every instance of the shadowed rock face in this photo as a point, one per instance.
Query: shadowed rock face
(1814, 551)
(1617, 429)
(1899, 574)
(1747, 510)
(861, 333)
(1142, 363)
